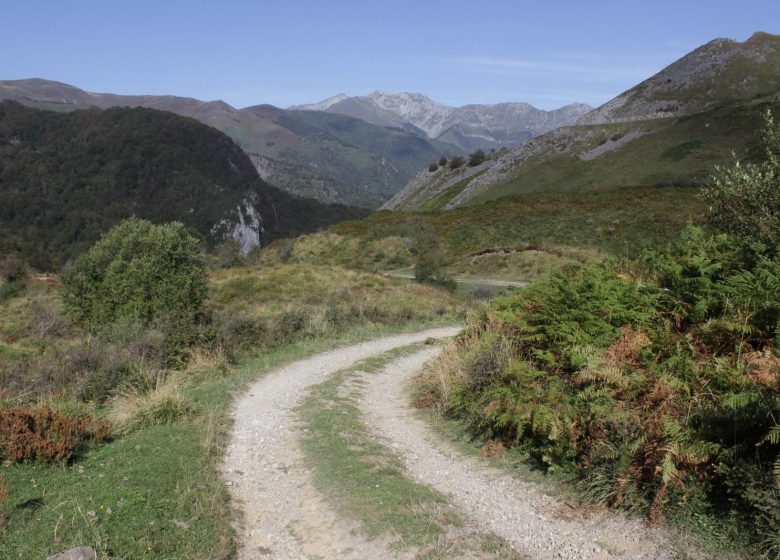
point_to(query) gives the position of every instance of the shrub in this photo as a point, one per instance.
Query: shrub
(429, 254)
(661, 399)
(442, 161)
(12, 268)
(476, 158)
(39, 433)
(241, 332)
(13, 276)
(229, 254)
(456, 162)
(138, 271)
(744, 199)
(432, 168)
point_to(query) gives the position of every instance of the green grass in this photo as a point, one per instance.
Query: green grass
(443, 198)
(160, 483)
(679, 151)
(615, 221)
(363, 479)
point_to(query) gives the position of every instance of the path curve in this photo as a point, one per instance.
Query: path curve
(535, 524)
(284, 517)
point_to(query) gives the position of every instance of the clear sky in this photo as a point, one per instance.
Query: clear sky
(545, 52)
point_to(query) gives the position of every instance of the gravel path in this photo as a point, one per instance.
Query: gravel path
(537, 525)
(284, 517)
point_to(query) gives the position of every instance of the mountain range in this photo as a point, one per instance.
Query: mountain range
(469, 127)
(329, 157)
(671, 129)
(359, 151)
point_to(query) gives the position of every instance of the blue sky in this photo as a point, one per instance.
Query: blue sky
(548, 52)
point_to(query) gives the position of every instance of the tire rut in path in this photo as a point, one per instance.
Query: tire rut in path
(535, 524)
(284, 517)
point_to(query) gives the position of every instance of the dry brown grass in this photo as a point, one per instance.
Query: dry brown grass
(133, 409)
(491, 448)
(441, 376)
(764, 368)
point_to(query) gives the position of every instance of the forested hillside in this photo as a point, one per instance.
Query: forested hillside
(65, 178)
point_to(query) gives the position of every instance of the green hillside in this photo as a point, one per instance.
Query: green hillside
(671, 129)
(340, 158)
(65, 178)
(680, 151)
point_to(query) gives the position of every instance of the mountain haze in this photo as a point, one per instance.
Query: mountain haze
(469, 127)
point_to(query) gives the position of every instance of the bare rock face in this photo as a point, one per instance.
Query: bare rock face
(78, 553)
(245, 226)
(469, 127)
(720, 71)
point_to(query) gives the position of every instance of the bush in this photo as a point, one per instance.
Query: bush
(241, 332)
(477, 158)
(432, 168)
(429, 255)
(138, 271)
(661, 399)
(229, 254)
(39, 433)
(456, 162)
(12, 268)
(442, 161)
(13, 276)
(744, 199)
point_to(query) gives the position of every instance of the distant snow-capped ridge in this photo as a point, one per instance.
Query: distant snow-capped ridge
(469, 127)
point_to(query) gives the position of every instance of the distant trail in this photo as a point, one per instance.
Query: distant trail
(473, 281)
(536, 525)
(285, 518)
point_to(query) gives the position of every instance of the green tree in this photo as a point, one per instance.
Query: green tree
(138, 271)
(433, 167)
(442, 161)
(744, 199)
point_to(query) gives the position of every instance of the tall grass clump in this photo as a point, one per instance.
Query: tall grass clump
(134, 409)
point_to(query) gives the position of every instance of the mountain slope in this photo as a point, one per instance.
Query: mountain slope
(469, 127)
(722, 71)
(719, 109)
(295, 151)
(65, 178)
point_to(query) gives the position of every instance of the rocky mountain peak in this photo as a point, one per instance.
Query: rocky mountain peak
(468, 127)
